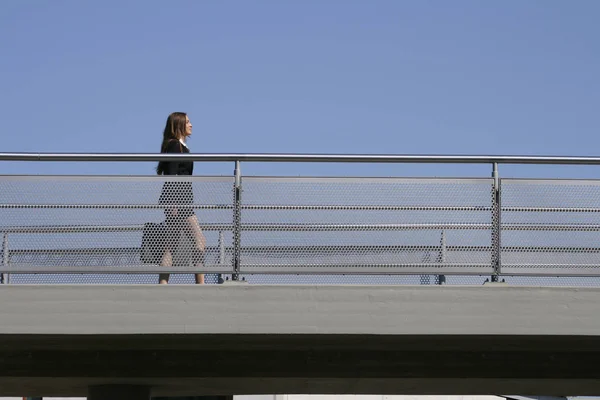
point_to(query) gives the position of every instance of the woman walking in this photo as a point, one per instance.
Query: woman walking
(179, 218)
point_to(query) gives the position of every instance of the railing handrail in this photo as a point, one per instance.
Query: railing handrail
(288, 157)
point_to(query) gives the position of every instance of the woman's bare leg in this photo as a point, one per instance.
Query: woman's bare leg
(199, 242)
(167, 258)
(167, 261)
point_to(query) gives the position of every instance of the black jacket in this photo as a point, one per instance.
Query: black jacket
(177, 167)
(177, 192)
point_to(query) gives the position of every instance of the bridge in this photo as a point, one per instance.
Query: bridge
(378, 285)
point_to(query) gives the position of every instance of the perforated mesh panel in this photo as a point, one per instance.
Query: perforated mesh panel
(88, 229)
(366, 225)
(550, 227)
(83, 224)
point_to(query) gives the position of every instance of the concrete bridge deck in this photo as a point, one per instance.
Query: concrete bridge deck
(251, 339)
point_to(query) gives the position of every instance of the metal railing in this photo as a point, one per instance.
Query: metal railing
(308, 225)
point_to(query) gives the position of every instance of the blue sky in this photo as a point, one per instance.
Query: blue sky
(509, 77)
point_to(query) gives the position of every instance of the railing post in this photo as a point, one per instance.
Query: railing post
(496, 262)
(221, 254)
(4, 278)
(441, 279)
(221, 248)
(237, 220)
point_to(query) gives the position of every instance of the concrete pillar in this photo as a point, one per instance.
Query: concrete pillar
(119, 392)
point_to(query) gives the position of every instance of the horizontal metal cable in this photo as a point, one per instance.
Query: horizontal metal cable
(344, 249)
(91, 251)
(120, 206)
(300, 207)
(364, 207)
(112, 269)
(251, 207)
(370, 269)
(309, 250)
(389, 227)
(95, 228)
(478, 269)
(552, 265)
(551, 270)
(551, 227)
(552, 209)
(357, 227)
(307, 227)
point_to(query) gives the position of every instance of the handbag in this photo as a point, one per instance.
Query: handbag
(153, 239)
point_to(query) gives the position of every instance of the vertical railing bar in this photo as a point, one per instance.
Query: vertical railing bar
(221, 248)
(496, 209)
(441, 279)
(221, 254)
(4, 278)
(425, 279)
(237, 214)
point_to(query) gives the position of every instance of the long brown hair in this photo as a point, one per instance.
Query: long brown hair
(175, 129)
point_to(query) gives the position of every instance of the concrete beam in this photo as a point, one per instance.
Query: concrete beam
(220, 309)
(223, 340)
